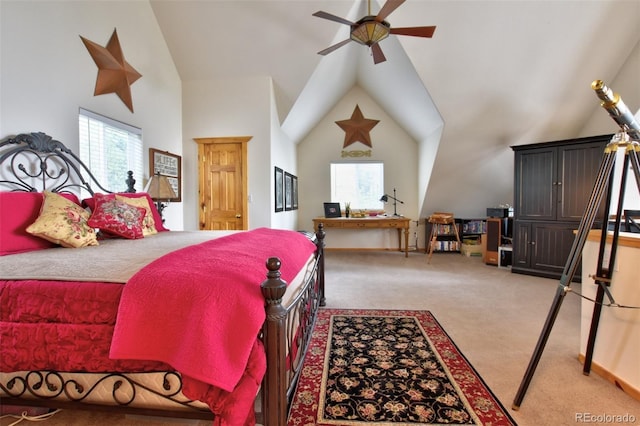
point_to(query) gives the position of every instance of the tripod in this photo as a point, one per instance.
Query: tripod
(604, 184)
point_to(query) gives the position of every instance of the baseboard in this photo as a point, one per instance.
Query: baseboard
(609, 376)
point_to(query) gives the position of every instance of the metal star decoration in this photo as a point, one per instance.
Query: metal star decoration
(357, 128)
(115, 75)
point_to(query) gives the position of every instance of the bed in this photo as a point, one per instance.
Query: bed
(137, 318)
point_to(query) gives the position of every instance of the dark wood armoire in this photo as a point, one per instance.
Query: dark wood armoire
(552, 185)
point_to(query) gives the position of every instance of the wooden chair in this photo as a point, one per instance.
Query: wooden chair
(436, 220)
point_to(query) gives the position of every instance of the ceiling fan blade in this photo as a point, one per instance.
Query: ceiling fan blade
(414, 31)
(387, 8)
(378, 56)
(325, 15)
(334, 47)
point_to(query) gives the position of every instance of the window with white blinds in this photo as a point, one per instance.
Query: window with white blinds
(110, 149)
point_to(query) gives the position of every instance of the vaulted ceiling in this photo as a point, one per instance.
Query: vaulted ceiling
(496, 72)
(510, 64)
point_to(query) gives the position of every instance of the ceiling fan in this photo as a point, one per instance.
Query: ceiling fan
(370, 30)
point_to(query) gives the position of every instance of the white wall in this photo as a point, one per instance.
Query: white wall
(627, 85)
(221, 108)
(46, 74)
(390, 144)
(283, 155)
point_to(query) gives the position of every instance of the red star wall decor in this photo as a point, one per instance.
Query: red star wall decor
(357, 128)
(115, 75)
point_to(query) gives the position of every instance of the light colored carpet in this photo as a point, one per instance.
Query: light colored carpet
(495, 317)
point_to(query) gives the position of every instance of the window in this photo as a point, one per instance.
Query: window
(361, 184)
(110, 149)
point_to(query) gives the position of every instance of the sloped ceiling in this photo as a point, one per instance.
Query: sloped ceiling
(497, 73)
(525, 60)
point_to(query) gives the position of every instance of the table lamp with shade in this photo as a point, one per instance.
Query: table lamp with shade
(160, 190)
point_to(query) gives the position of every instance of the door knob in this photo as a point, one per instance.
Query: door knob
(238, 216)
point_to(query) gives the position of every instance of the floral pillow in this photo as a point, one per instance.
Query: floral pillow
(90, 203)
(148, 224)
(117, 217)
(63, 222)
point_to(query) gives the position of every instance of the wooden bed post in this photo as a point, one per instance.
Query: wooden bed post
(274, 392)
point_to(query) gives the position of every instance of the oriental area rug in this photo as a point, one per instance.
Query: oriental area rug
(378, 367)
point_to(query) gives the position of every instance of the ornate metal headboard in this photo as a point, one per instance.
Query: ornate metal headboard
(36, 162)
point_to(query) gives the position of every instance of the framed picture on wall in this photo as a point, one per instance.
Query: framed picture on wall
(295, 193)
(288, 191)
(279, 188)
(170, 165)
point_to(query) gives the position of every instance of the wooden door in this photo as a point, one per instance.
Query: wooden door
(222, 183)
(578, 169)
(522, 245)
(553, 241)
(535, 184)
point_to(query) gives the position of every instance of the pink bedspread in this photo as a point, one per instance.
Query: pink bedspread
(61, 326)
(200, 309)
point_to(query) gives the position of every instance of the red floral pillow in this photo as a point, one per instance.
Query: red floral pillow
(117, 217)
(90, 203)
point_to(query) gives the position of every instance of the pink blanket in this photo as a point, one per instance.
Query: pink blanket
(200, 309)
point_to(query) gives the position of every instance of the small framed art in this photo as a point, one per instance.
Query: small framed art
(279, 188)
(332, 210)
(295, 192)
(288, 191)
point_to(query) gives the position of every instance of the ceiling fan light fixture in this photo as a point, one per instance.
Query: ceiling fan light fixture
(368, 31)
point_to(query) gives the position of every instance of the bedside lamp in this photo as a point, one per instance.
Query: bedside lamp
(160, 190)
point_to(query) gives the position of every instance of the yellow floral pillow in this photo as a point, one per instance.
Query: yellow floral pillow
(148, 224)
(63, 222)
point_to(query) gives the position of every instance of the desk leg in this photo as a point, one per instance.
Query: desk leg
(406, 242)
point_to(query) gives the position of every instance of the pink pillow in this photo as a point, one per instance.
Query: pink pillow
(90, 203)
(117, 217)
(19, 210)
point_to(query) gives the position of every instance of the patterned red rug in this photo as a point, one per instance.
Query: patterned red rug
(386, 368)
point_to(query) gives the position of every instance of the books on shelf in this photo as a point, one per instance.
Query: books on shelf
(469, 230)
(446, 246)
(474, 226)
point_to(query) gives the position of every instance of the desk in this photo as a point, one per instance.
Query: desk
(376, 222)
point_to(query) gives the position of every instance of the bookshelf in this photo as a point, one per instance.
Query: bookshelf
(468, 229)
(472, 229)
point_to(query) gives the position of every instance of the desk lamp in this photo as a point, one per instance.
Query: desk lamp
(386, 197)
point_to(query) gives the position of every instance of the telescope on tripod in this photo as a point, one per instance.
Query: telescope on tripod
(628, 138)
